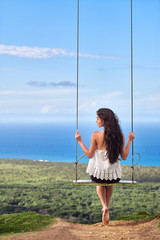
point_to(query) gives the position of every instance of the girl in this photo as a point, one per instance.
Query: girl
(105, 148)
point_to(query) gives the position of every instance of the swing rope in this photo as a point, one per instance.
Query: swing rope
(132, 100)
(132, 92)
(77, 85)
(133, 154)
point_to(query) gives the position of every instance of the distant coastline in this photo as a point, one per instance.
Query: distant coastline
(66, 170)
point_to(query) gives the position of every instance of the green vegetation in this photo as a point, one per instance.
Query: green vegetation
(24, 222)
(139, 216)
(81, 204)
(46, 188)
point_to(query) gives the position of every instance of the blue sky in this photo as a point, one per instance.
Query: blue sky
(38, 59)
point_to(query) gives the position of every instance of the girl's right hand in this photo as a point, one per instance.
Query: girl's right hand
(131, 136)
(78, 136)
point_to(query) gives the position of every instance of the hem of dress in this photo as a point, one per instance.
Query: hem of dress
(105, 175)
(98, 180)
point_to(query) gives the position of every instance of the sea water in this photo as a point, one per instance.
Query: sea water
(56, 142)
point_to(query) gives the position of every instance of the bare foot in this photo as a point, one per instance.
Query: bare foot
(105, 217)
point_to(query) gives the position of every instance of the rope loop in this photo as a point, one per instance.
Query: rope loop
(138, 159)
(80, 158)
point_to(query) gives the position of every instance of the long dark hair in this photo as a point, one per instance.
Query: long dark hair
(112, 133)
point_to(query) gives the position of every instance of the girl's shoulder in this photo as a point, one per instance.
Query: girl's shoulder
(98, 133)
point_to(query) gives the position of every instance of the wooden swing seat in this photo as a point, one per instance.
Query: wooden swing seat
(91, 183)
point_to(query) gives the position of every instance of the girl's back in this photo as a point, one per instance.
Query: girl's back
(100, 142)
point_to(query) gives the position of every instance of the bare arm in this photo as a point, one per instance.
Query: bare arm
(125, 150)
(89, 152)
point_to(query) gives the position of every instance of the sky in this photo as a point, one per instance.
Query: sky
(38, 43)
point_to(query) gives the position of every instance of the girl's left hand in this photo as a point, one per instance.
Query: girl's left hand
(78, 136)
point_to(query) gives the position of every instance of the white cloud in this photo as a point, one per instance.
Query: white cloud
(97, 56)
(111, 95)
(107, 100)
(4, 112)
(62, 103)
(37, 52)
(45, 109)
(84, 106)
(51, 84)
(31, 52)
(149, 102)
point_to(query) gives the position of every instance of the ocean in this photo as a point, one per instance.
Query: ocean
(56, 142)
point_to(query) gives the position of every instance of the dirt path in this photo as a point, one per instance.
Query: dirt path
(117, 230)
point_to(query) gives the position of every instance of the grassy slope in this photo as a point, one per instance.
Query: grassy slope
(23, 222)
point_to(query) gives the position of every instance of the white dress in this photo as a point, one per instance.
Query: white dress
(100, 167)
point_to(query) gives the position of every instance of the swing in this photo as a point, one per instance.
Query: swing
(120, 183)
(90, 182)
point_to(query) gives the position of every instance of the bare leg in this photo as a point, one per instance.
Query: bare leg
(109, 191)
(102, 193)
